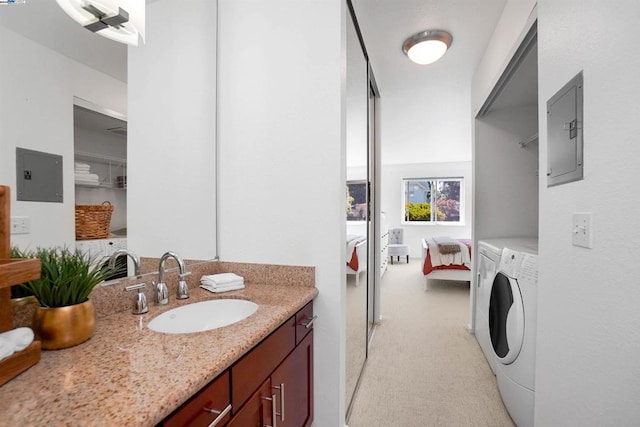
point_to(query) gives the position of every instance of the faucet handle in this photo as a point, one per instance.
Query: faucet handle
(185, 274)
(140, 305)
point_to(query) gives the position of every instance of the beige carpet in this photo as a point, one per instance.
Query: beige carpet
(424, 368)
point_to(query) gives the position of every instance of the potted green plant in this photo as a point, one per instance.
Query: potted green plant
(65, 316)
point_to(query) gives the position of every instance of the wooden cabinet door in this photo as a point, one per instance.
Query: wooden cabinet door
(211, 403)
(249, 372)
(258, 410)
(292, 384)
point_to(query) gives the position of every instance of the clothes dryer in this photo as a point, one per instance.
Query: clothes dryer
(489, 252)
(512, 328)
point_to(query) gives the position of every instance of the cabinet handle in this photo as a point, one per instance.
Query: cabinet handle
(221, 414)
(309, 322)
(281, 388)
(273, 410)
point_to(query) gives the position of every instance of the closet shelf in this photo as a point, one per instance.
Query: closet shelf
(99, 158)
(108, 168)
(528, 140)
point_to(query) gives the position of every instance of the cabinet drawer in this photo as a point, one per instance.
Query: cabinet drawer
(251, 371)
(207, 405)
(259, 409)
(304, 322)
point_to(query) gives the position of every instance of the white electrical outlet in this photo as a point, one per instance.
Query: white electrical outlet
(20, 225)
(582, 230)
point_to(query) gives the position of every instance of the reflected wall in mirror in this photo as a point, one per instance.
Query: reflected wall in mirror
(357, 210)
(171, 182)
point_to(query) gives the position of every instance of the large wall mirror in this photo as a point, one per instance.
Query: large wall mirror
(53, 66)
(358, 212)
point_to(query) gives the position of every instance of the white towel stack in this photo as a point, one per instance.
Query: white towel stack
(15, 340)
(84, 176)
(222, 282)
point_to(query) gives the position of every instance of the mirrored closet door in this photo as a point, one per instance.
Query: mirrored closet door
(360, 209)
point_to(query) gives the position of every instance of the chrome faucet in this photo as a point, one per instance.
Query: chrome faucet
(183, 288)
(134, 257)
(140, 300)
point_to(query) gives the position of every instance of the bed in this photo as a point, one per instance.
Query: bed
(446, 264)
(356, 255)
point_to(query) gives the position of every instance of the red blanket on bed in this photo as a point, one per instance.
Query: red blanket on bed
(353, 262)
(428, 268)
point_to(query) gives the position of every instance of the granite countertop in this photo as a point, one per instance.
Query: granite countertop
(127, 374)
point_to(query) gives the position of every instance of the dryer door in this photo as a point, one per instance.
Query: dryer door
(506, 318)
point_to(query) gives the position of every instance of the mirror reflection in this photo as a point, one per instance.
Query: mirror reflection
(356, 212)
(65, 92)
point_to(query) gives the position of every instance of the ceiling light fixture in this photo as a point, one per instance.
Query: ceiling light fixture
(427, 47)
(119, 20)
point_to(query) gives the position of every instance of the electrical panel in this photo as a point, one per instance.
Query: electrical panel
(564, 133)
(38, 176)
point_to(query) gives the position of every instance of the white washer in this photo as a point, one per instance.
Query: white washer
(512, 328)
(488, 261)
(102, 249)
(489, 252)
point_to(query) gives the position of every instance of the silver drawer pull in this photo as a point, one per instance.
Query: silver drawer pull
(273, 410)
(281, 388)
(309, 322)
(221, 415)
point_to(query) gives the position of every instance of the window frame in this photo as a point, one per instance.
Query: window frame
(435, 222)
(358, 182)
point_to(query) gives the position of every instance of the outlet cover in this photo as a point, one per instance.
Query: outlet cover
(582, 229)
(20, 225)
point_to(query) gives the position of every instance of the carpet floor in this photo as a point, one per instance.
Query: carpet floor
(424, 368)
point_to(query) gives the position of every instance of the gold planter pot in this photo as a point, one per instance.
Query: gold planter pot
(62, 327)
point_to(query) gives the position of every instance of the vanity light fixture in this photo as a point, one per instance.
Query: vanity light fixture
(119, 20)
(427, 47)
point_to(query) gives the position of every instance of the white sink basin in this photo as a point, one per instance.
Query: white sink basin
(203, 316)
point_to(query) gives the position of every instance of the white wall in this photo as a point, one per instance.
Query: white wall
(505, 174)
(588, 370)
(282, 133)
(428, 123)
(36, 112)
(507, 36)
(393, 194)
(172, 128)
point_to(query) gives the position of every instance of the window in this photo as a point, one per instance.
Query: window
(436, 200)
(356, 200)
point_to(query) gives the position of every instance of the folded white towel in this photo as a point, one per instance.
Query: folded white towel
(15, 340)
(21, 338)
(219, 289)
(214, 285)
(82, 165)
(6, 347)
(222, 278)
(86, 176)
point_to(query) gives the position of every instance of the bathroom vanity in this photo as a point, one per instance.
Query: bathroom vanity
(127, 374)
(273, 380)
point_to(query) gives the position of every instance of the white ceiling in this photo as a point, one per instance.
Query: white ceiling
(385, 25)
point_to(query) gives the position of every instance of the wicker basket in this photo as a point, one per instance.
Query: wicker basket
(92, 221)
